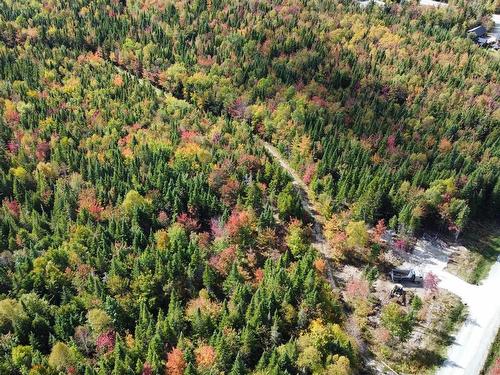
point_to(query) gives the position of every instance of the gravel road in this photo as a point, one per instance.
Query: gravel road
(467, 355)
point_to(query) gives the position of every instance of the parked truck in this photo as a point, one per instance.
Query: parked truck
(406, 276)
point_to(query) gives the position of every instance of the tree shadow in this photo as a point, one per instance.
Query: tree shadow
(427, 358)
(443, 338)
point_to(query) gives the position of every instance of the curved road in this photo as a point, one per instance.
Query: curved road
(469, 351)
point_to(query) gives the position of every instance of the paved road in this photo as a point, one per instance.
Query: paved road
(496, 27)
(468, 353)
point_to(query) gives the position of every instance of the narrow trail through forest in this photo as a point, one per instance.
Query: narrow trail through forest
(320, 243)
(305, 194)
(306, 199)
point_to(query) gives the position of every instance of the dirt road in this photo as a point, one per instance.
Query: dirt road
(468, 354)
(318, 220)
(319, 242)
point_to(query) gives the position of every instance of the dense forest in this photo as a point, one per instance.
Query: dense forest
(144, 230)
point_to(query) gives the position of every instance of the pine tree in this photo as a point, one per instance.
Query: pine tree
(275, 331)
(155, 353)
(238, 367)
(209, 279)
(233, 280)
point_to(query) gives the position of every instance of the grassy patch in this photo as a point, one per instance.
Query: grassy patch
(483, 242)
(467, 265)
(443, 317)
(494, 354)
(443, 327)
(456, 316)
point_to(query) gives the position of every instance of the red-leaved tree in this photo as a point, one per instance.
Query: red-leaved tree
(379, 230)
(240, 226)
(222, 261)
(357, 289)
(495, 370)
(431, 282)
(229, 192)
(12, 206)
(176, 364)
(106, 341)
(42, 149)
(188, 222)
(147, 369)
(401, 245)
(205, 356)
(309, 173)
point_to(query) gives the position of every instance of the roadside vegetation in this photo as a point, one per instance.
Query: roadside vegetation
(409, 333)
(422, 350)
(482, 248)
(492, 365)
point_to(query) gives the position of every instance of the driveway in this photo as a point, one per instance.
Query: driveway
(468, 353)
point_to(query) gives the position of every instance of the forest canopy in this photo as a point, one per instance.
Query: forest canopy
(143, 228)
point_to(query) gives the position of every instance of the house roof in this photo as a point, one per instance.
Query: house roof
(478, 31)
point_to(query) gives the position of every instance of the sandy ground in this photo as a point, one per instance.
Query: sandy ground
(496, 28)
(433, 3)
(365, 3)
(472, 342)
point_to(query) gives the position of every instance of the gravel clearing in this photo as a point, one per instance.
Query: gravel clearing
(468, 353)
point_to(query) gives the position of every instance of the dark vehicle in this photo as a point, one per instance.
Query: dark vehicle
(408, 276)
(399, 294)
